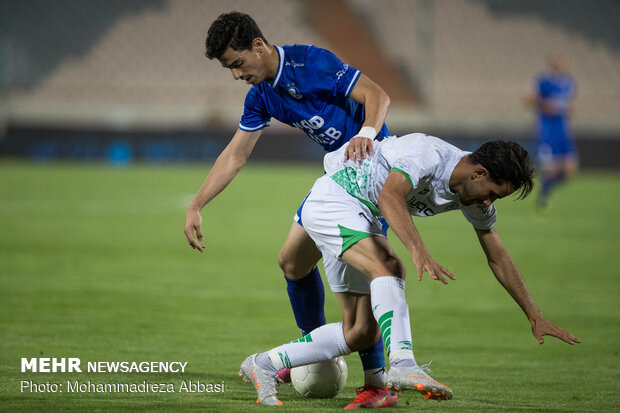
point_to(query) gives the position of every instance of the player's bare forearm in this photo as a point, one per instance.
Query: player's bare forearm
(507, 273)
(223, 172)
(394, 208)
(226, 167)
(376, 104)
(375, 100)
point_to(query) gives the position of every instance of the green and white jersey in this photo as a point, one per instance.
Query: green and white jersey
(426, 161)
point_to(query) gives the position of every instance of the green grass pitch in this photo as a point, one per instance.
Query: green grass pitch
(94, 265)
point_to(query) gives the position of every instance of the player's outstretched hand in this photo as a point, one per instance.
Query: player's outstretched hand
(541, 327)
(358, 148)
(425, 263)
(193, 223)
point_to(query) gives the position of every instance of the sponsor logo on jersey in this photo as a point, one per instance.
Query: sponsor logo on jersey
(419, 207)
(294, 64)
(315, 129)
(294, 92)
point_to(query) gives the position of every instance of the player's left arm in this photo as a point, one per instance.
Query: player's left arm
(510, 278)
(376, 104)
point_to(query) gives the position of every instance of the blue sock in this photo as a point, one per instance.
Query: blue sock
(550, 181)
(307, 299)
(372, 357)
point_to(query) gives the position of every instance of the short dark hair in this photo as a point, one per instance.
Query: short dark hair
(506, 162)
(235, 30)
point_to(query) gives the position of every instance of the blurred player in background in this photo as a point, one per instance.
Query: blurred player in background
(552, 98)
(416, 175)
(334, 104)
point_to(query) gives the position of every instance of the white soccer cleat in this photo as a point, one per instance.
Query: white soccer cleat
(264, 381)
(414, 378)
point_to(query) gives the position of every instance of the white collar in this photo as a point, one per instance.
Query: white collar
(280, 66)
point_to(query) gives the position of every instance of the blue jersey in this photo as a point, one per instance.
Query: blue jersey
(559, 90)
(554, 136)
(310, 92)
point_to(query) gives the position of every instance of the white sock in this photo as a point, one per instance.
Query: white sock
(375, 377)
(265, 363)
(323, 343)
(387, 295)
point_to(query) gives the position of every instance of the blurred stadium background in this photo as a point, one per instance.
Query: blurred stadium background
(128, 80)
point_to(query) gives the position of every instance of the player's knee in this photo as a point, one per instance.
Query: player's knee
(283, 262)
(288, 267)
(292, 268)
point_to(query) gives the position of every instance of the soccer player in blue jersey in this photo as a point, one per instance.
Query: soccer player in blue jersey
(334, 104)
(552, 98)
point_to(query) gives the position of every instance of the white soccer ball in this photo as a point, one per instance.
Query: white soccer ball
(320, 380)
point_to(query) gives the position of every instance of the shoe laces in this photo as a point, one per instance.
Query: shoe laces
(427, 367)
(364, 392)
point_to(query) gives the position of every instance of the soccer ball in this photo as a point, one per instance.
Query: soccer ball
(320, 380)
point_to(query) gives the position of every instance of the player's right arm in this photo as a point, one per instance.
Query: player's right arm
(393, 205)
(534, 99)
(226, 167)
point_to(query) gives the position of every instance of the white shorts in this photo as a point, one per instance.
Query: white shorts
(335, 221)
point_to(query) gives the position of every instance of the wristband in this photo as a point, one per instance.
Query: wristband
(367, 132)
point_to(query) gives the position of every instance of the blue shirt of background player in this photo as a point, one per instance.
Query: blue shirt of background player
(310, 92)
(553, 128)
(559, 91)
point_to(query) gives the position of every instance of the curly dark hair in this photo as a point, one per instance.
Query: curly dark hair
(235, 30)
(506, 161)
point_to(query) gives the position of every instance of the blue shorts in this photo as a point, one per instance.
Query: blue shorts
(555, 140)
